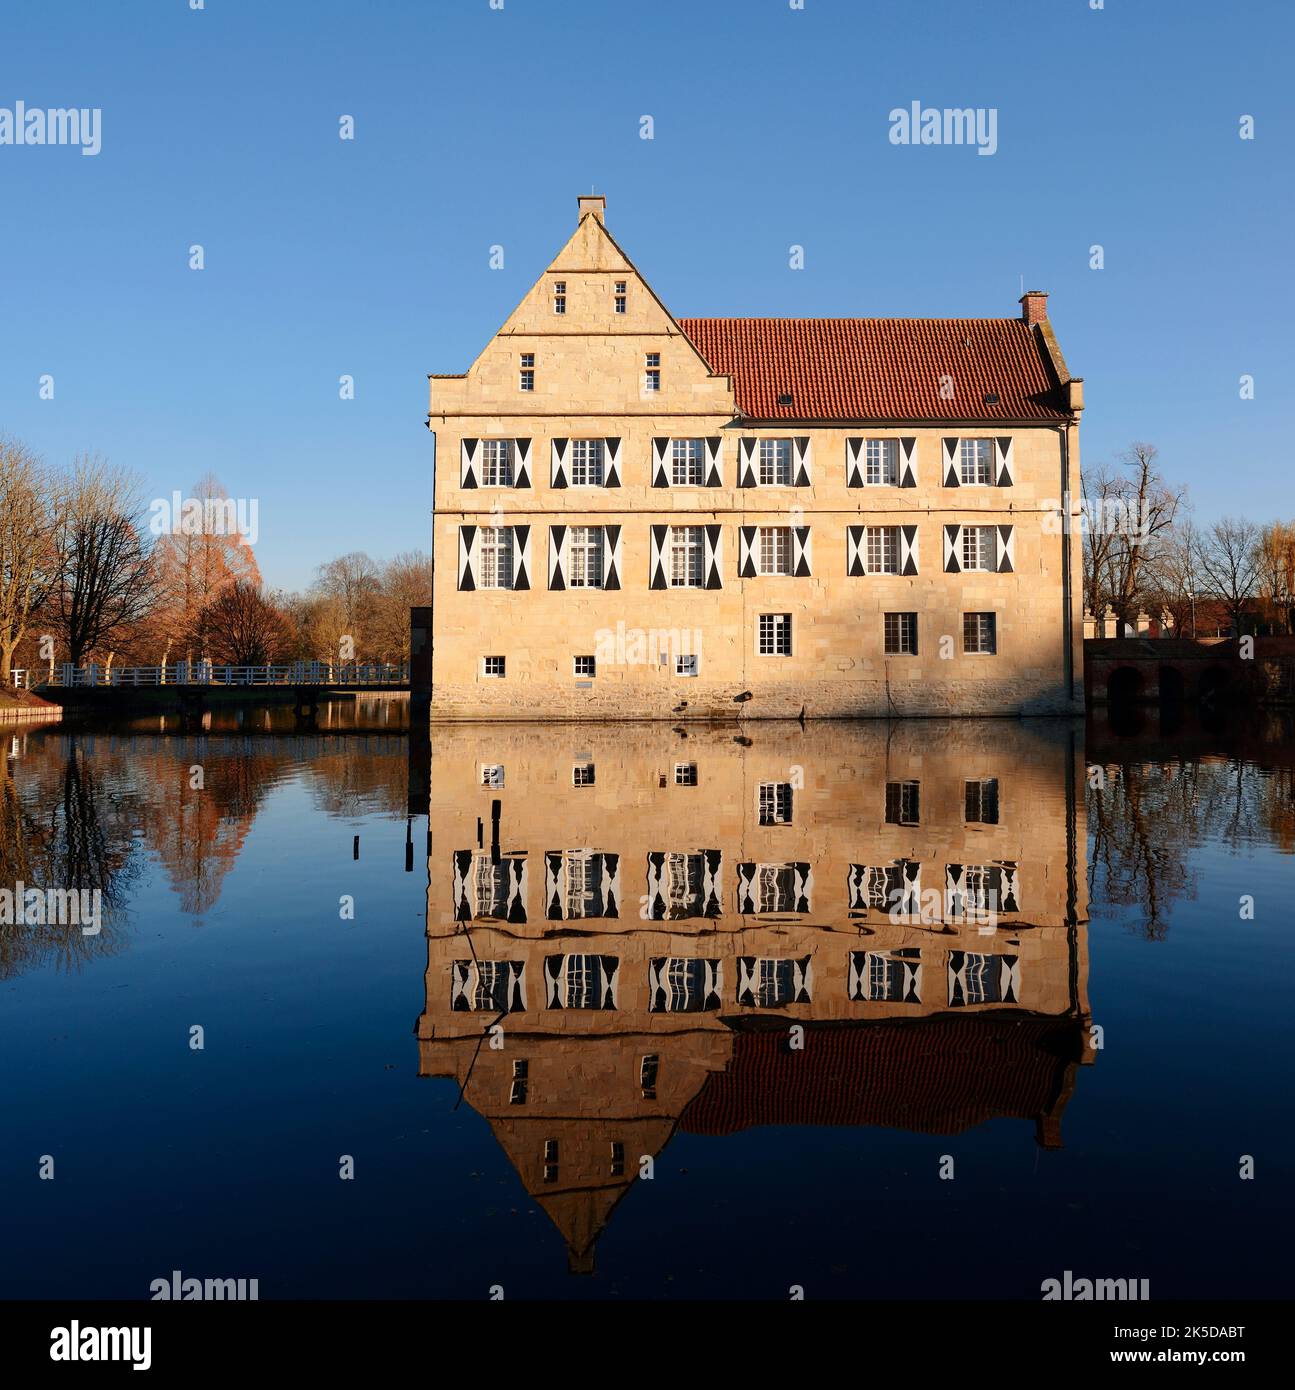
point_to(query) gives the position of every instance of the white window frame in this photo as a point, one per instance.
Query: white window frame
(775, 803)
(651, 373)
(905, 630)
(594, 453)
(497, 462)
(979, 650)
(689, 463)
(559, 296)
(976, 455)
(620, 296)
(773, 458)
(977, 550)
(685, 774)
(497, 558)
(686, 542)
(886, 550)
(492, 775)
(779, 538)
(770, 635)
(585, 557)
(584, 774)
(592, 665)
(887, 462)
(688, 665)
(526, 372)
(488, 674)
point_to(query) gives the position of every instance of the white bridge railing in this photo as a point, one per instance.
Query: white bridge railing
(211, 673)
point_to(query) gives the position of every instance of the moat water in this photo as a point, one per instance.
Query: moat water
(600, 1012)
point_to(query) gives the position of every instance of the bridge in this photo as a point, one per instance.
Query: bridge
(1168, 670)
(334, 675)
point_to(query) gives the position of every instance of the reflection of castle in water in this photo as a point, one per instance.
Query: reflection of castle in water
(646, 914)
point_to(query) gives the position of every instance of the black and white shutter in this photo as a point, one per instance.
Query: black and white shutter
(612, 468)
(908, 462)
(855, 543)
(470, 463)
(469, 553)
(952, 549)
(660, 462)
(952, 477)
(560, 468)
(1003, 880)
(1003, 469)
(521, 557)
(656, 558)
(748, 537)
(522, 468)
(712, 883)
(801, 557)
(746, 456)
(557, 557)
(800, 461)
(746, 894)
(611, 557)
(714, 462)
(713, 556)
(854, 463)
(908, 549)
(1005, 549)
(460, 882)
(804, 887)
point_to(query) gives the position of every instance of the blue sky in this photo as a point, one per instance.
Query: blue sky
(475, 126)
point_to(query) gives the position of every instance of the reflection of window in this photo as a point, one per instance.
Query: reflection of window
(583, 774)
(648, 1069)
(769, 983)
(893, 977)
(903, 803)
(581, 981)
(776, 888)
(982, 801)
(520, 1089)
(983, 979)
(683, 985)
(982, 889)
(490, 888)
(492, 774)
(685, 774)
(488, 986)
(775, 803)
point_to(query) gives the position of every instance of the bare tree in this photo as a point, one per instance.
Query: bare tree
(350, 585)
(406, 584)
(107, 580)
(28, 556)
(1174, 575)
(1229, 561)
(244, 627)
(1276, 577)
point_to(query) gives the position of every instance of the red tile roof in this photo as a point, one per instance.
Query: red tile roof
(939, 1075)
(882, 369)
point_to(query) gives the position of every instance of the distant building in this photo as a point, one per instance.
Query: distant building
(638, 516)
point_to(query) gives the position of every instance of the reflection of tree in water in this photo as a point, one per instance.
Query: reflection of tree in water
(69, 827)
(1150, 817)
(365, 774)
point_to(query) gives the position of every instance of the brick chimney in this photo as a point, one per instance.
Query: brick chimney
(1034, 306)
(591, 202)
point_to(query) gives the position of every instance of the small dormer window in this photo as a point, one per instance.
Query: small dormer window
(620, 296)
(784, 398)
(559, 296)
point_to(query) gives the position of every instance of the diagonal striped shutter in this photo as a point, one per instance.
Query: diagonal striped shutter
(854, 463)
(611, 557)
(714, 462)
(1003, 466)
(560, 468)
(522, 472)
(746, 474)
(656, 558)
(557, 557)
(952, 549)
(612, 472)
(746, 543)
(713, 557)
(854, 539)
(952, 478)
(469, 545)
(521, 557)
(801, 557)
(746, 887)
(908, 549)
(1006, 547)
(908, 462)
(800, 467)
(470, 463)
(554, 884)
(660, 468)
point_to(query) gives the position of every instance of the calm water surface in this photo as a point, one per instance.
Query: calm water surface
(637, 1022)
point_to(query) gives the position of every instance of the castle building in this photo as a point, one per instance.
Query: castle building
(644, 517)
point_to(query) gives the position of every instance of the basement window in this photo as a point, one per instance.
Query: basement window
(585, 665)
(493, 666)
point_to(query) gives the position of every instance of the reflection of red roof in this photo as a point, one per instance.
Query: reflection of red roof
(937, 1076)
(881, 369)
